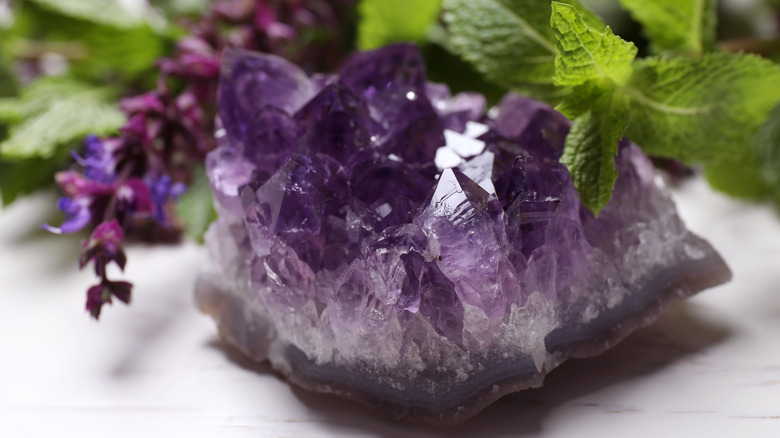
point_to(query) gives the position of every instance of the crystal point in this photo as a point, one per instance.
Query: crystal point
(337, 123)
(255, 81)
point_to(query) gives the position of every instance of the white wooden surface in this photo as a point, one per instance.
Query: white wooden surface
(711, 367)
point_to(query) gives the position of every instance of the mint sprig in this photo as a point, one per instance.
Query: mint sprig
(703, 109)
(598, 63)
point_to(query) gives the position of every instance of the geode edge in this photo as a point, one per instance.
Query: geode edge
(472, 397)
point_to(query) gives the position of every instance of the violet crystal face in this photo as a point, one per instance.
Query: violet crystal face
(384, 240)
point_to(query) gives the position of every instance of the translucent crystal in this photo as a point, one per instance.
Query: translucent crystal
(350, 255)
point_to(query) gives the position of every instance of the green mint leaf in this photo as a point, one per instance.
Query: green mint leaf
(681, 26)
(443, 66)
(195, 208)
(45, 92)
(131, 52)
(9, 110)
(113, 13)
(8, 85)
(390, 21)
(590, 156)
(586, 54)
(65, 122)
(175, 8)
(56, 113)
(582, 98)
(741, 177)
(510, 41)
(93, 50)
(702, 109)
(766, 147)
(24, 177)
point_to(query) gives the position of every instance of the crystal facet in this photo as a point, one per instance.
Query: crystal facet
(381, 239)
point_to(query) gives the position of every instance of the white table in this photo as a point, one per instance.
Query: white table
(710, 367)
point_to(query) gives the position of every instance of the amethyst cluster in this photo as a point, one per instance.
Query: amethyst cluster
(382, 239)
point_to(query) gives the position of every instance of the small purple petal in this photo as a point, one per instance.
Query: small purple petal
(136, 127)
(77, 185)
(205, 66)
(64, 203)
(144, 103)
(162, 190)
(109, 232)
(135, 197)
(104, 246)
(78, 158)
(264, 16)
(121, 290)
(177, 190)
(77, 215)
(98, 160)
(96, 297)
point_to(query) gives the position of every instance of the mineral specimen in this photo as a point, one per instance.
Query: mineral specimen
(381, 239)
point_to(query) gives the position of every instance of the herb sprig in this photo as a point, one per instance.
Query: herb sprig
(146, 154)
(688, 102)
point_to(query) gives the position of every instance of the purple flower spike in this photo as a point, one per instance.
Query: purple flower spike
(394, 244)
(132, 177)
(103, 247)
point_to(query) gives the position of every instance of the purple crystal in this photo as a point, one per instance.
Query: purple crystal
(252, 81)
(418, 133)
(456, 111)
(534, 125)
(535, 194)
(396, 259)
(388, 79)
(271, 138)
(467, 225)
(439, 304)
(337, 123)
(353, 260)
